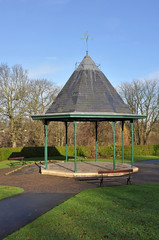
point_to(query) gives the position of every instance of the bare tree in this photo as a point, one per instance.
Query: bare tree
(21, 97)
(41, 94)
(13, 93)
(142, 98)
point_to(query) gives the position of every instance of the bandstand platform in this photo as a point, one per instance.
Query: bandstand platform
(84, 169)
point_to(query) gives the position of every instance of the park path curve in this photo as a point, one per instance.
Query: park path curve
(42, 193)
(19, 210)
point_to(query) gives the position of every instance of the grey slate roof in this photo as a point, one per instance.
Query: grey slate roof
(88, 90)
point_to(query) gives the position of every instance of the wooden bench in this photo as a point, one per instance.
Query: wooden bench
(20, 160)
(125, 173)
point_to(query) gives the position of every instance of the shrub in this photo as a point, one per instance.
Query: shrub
(156, 150)
(62, 151)
(105, 151)
(83, 151)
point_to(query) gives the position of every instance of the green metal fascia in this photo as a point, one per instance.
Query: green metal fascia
(40, 117)
(107, 116)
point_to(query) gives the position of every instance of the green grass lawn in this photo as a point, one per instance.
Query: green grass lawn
(118, 212)
(6, 163)
(7, 191)
(117, 159)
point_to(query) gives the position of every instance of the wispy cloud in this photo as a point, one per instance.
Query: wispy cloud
(154, 75)
(43, 71)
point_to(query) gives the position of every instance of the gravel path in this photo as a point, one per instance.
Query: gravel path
(30, 180)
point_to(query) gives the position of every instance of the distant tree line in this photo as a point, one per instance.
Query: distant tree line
(142, 96)
(21, 97)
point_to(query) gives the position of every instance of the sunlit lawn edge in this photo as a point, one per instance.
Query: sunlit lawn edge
(7, 191)
(118, 212)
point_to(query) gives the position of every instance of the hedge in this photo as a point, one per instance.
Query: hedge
(5, 153)
(31, 152)
(107, 151)
(83, 151)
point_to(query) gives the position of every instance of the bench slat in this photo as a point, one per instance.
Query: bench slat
(20, 160)
(16, 158)
(116, 171)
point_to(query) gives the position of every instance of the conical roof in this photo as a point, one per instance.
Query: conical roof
(88, 91)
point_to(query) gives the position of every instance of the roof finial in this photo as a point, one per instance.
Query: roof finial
(86, 36)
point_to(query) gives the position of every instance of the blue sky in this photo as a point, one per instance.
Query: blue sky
(44, 36)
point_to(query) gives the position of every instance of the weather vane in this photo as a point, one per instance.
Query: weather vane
(86, 37)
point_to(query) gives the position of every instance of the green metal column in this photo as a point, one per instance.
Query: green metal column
(75, 127)
(66, 141)
(96, 140)
(122, 141)
(113, 125)
(45, 152)
(132, 144)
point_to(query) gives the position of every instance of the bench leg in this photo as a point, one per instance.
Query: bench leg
(12, 164)
(101, 182)
(129, 180)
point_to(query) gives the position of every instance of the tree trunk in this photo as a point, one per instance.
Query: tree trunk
(12, 131)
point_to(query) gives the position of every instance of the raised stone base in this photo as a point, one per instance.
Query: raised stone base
(84, 169)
